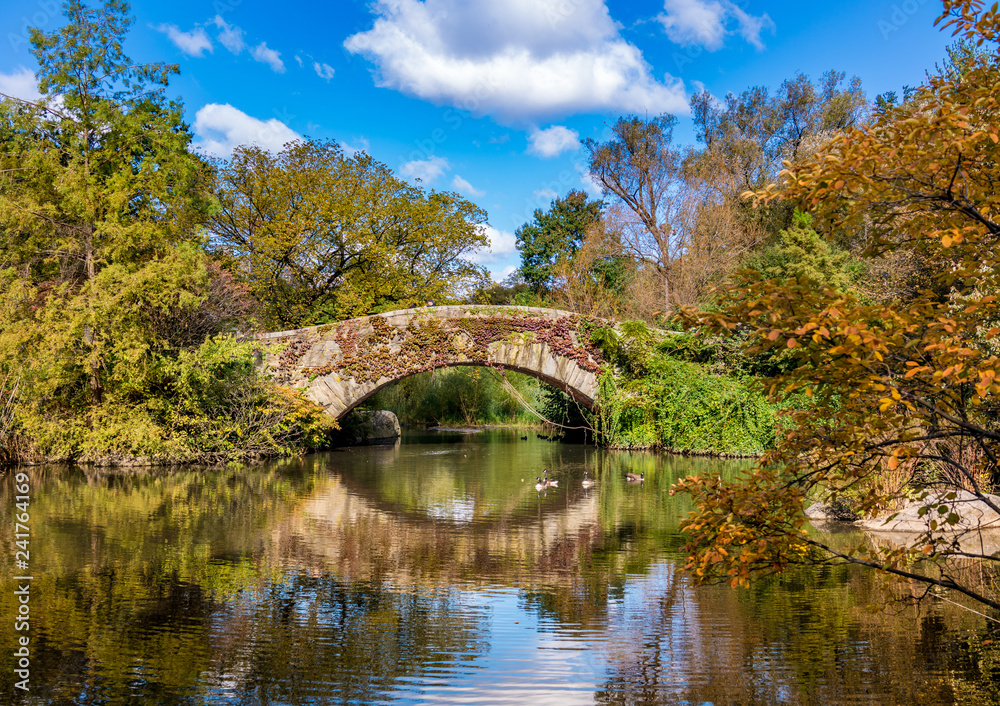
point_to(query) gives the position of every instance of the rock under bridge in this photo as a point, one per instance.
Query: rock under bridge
(340, 365)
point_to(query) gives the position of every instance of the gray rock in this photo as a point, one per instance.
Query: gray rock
(973, 513)
(834, 512)
(379, 427)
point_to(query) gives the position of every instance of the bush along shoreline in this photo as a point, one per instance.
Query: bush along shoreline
(676, 393)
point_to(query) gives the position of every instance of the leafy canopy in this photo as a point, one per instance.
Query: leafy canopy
(554, 235)
(905, 392)
(105, 289)
(319, 236)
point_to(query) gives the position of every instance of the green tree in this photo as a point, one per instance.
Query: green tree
(905, 392)
(106, 294)
(320, 237)
(512, 290)
(97, 173)
(554, 235)
(803, 255)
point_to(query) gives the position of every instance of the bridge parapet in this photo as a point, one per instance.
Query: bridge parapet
(342, 364)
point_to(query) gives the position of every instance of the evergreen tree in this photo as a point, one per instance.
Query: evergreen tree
(554, 235)
(803, 255)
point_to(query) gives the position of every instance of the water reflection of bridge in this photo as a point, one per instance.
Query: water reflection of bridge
(342, 529)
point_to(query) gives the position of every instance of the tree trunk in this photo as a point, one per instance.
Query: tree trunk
(96, 391)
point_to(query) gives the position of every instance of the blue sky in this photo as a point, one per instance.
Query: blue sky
(489, 98)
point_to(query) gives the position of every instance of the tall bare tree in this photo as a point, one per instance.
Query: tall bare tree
(641, 168)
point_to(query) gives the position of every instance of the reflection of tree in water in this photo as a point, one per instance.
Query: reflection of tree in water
(309, 637)
(296, 582)
(804, 638)
(147, 584)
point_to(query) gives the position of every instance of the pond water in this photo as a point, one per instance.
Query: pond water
(432, 571)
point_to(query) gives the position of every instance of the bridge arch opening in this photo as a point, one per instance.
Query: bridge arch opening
(580, 399)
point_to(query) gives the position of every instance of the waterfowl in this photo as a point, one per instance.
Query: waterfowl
(524, 438)
(635, 477)
(586, 480)
(548, 482)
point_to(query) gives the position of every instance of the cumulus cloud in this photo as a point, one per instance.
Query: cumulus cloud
(20, 83)
(505, 273)
(706, 23)
(553, 141)
(495, 256)
(193, 43)
(425, 170)
(324, 71)
(267, 56)
(229, 36)
(465, 188)
(220, 128)
(517, 60)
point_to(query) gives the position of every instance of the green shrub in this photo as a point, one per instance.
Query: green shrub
(679, 405)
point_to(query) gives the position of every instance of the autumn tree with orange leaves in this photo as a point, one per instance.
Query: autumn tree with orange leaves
(904, 396)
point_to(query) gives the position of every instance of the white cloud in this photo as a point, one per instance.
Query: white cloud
(351, 150)
(268, 56)
(517, 60)
(298, 60)
(542, 196)
(20, 83)
(425, 170)
(324, 71)
(465, 188)
(221, 128)
(496, 256)
(502, 242)
(229, 36)
(506, 272)
(706, 23)
(553, 141)
(751, 27)
(193, 43)
(589, 183)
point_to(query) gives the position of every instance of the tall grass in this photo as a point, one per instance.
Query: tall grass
(462, 395)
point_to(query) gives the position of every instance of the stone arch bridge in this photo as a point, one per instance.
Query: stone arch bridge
(340, 365)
